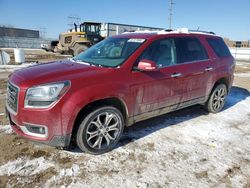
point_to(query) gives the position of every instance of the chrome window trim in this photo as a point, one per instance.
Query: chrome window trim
(188, 62)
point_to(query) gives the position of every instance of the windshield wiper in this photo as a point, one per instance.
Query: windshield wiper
(85, 62)
(90, 63)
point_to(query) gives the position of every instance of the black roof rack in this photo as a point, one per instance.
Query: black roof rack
(208, 32)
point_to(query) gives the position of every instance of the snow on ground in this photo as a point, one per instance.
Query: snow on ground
(188, 148)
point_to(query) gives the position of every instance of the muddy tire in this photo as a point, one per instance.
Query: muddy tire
(100, 130)
(79, 48)
(217, 99)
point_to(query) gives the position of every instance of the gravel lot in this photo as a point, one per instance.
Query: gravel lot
(187, 148)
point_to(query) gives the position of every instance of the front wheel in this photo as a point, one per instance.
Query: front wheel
(217, 99)
(100, 130)
(79, 48)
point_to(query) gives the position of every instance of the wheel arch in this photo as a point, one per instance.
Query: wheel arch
(111, 101)
(223, 80)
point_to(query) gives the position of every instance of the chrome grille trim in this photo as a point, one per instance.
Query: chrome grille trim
(12, 97)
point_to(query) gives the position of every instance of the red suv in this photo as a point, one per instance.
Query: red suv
(122, 80)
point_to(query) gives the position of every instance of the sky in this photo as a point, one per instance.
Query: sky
(227, 18)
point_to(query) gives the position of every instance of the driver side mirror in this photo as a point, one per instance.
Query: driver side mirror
(147, 65)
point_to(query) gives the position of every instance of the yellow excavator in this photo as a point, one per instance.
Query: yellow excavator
(78, 39)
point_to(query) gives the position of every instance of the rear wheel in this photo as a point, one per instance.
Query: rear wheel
(100, 130)
(217, 99)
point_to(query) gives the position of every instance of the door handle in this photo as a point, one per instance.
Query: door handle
(175, 75)
(208, 68)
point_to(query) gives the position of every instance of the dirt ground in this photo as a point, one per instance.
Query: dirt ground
(187, 148)
(34, 55)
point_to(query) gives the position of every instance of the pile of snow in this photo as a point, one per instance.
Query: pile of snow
(12, 68)
(6, 129)
(25, 166)
(242, 54)
(247, 74)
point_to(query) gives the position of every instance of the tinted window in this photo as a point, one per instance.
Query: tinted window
(219, 47)
(162, 52)
(189, 49)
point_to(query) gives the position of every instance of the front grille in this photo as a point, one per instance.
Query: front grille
(12, 96)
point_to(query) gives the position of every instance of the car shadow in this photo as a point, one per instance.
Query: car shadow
(147, 127)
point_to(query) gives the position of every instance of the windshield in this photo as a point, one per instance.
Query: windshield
(110, 52)
(92, 29)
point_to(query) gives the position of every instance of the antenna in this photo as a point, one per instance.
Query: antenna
(170, 13)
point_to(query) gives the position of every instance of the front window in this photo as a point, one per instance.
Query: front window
(110, 52)
(90, 29)
(162, 52)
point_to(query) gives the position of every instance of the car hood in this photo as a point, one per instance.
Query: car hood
(57, 71)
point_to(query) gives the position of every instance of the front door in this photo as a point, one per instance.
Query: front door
(162, 88)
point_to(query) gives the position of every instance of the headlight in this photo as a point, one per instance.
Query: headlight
(44, 96)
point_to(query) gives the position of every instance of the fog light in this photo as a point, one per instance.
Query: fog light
(40, 131)
(35, 129)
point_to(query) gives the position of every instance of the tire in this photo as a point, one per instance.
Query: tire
(79, 49)
(217, 99)
(100, 130)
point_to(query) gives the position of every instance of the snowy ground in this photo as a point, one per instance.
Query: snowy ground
(187, 148)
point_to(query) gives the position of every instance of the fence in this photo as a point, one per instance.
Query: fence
(241, 54)
(22, 42)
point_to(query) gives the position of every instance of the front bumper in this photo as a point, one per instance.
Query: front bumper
(25, 124)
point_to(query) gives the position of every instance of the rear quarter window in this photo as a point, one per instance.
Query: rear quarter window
(219, 47)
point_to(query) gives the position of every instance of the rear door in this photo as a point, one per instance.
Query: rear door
(222, 58)
(195, 67)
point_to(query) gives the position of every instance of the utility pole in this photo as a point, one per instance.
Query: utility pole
(42, 32)
(170, 13)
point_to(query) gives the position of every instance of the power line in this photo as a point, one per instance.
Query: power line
(170, 13)
(73, 19)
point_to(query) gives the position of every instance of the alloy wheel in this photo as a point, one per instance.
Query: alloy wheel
(219, 98)
(103, 130)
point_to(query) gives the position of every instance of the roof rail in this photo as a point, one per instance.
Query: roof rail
(186, 30)
(168, 30)
(198, 31)
(180, 30)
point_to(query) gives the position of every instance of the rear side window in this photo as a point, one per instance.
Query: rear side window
(219, 47)
(189, 49)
